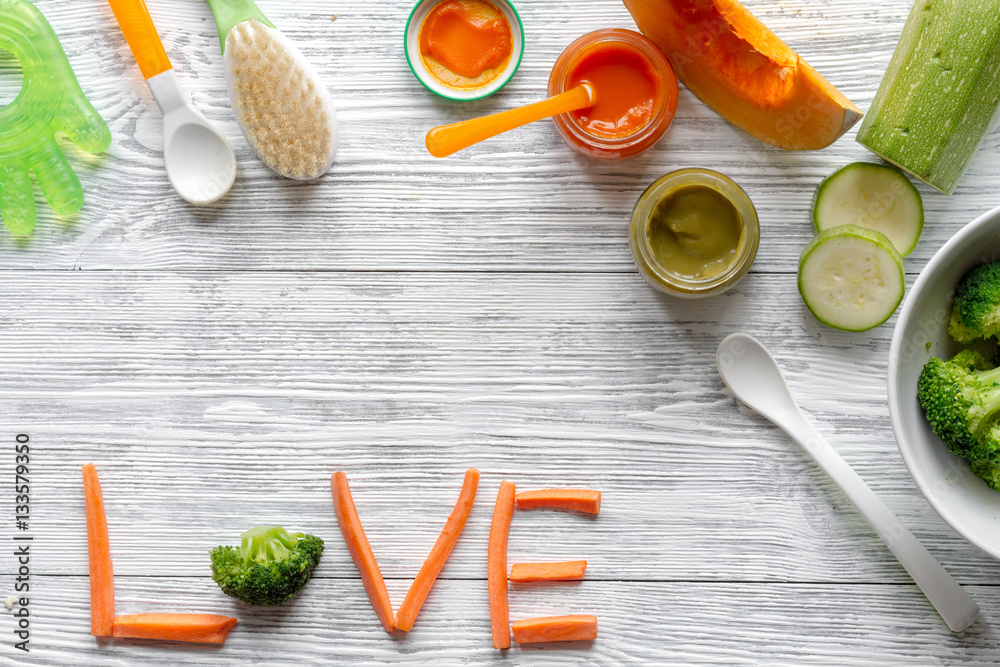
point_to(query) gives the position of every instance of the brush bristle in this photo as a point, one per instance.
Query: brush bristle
(278, 104)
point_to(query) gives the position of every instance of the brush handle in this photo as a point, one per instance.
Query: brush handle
(230, 12)
(140, 33)
(447, 139)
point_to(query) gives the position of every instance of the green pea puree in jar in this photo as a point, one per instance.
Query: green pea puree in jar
(694, 232)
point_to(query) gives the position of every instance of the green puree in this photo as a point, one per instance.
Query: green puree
(694, 232)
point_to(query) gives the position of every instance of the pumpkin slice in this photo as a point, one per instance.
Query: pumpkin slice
(737, 66)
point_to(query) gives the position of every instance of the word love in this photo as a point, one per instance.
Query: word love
(533, 630)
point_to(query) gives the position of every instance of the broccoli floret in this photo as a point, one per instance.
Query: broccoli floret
(270, 566)
(976, 313)
(960, 397)
(989, 472)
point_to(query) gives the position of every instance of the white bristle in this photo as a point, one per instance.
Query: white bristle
(285, 112)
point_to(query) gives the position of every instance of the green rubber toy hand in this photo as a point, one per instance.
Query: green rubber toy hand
(50, 101)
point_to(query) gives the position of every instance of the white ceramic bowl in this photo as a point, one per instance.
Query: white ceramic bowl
(961, 498)
(412, 48)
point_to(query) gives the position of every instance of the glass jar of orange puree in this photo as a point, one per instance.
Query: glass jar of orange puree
(636, 92)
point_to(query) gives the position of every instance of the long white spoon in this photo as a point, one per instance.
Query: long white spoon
(753, 375)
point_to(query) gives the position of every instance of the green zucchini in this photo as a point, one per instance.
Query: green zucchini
(941, 92)
(851, 278)
(873, 196)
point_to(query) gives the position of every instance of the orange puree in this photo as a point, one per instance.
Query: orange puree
(465, 43)
(626, 86)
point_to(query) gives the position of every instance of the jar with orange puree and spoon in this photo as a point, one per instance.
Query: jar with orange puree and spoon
(635, 89)
(612, 95)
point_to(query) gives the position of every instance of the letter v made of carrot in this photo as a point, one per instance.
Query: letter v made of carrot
(364, 558)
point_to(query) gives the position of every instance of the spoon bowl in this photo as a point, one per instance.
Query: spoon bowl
(200, 162)
(750, 371)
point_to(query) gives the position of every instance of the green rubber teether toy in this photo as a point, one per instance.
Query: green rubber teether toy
(50, 101)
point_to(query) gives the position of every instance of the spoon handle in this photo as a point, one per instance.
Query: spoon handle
(957, 609)
(137, 26)
(444, 140)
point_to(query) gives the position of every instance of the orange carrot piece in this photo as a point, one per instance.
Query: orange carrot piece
(571, 570)
(581, 500)
(361, 551)
(102, 580)
(496, 565)
(579, 627)
(202, 628)
(432, 567)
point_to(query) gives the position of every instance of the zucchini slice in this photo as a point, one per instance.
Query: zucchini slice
(851, 278)
(874, 196)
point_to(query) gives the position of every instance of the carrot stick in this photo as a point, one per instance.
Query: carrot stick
(581, 500)
(496, 566)
(431, 568)
(571, 570)
(203, 628)
(361, 551)
(555, 629)
(102, 581)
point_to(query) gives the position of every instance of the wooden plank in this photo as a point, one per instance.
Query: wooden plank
(226, 400)
(649, 623)
(521, 203)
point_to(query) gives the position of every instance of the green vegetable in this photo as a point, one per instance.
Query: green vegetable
(873, 196)
(851, 278)
(976, 313)
(270, 566)
(941, 91)
(989, 472)
(960, 398)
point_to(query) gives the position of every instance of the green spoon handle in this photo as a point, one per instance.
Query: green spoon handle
(230, 12)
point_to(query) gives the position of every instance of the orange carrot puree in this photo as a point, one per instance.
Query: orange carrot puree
(465, 43)
(626, 86)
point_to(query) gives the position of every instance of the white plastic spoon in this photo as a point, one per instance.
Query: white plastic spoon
(753, 375)
(200, 161)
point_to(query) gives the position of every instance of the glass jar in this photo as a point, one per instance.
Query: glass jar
(664, 107)
(662, 277)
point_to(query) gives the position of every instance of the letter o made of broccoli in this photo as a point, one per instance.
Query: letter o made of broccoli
(270, 566)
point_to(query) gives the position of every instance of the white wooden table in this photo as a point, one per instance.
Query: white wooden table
(405, 318)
